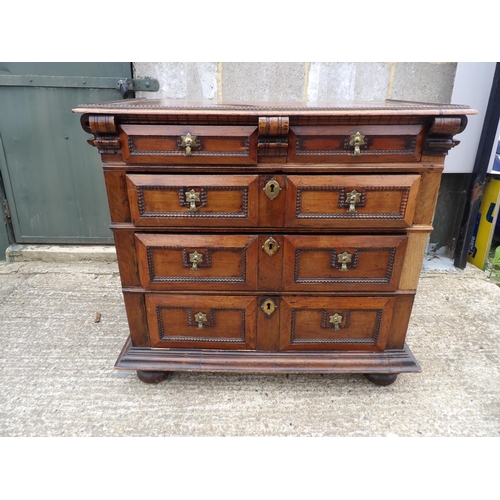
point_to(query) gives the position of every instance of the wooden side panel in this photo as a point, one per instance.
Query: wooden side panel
(191, 262)
(400, 320)
(137, 322)
(116, 187)
(127, 257)
(212, 322)
(186, 200)
(417, 243)
(429, 190)
(381, 201)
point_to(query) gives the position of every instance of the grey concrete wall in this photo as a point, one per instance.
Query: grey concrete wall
(306, 81)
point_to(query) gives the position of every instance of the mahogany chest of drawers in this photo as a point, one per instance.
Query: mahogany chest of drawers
(270, 238)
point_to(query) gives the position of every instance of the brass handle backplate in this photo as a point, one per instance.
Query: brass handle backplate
(269, 306)
(201, 319)
(195, 258)
(192, 197)
(343, 259)
(270, 246)
(272, 189)
(357, 140)
(336, 320)
(352, 198)
(188, 142)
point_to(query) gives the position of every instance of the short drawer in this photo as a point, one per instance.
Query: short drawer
(193, 200)
(189, 144)
(329, 323)
(362, 143)
(196, 321)
(191, 262)
(351, 201)
(343, 263)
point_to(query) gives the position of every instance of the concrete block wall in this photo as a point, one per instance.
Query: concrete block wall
(321, 81)
(306, 81)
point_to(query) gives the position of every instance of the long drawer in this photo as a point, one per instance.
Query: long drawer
(318, 201)
(270, 262)
(237, 322)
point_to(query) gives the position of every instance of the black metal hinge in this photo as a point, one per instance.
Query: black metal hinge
(124, 85)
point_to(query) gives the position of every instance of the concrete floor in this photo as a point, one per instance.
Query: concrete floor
(57, 376)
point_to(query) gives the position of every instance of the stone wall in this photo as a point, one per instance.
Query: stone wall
(309, 81)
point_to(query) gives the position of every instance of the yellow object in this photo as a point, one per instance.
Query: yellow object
(485, 224)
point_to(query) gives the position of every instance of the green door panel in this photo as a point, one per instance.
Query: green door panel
(53, 179)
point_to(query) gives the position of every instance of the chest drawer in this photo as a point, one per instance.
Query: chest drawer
(351, 201)
(189, 144)
(190, 262)
(217, 322)
(363, 143)
(264, 262)
(189, 200)
(320, 201)
(350, 263)
(317, 323)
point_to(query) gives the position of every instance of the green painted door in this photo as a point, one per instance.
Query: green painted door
(52, 178)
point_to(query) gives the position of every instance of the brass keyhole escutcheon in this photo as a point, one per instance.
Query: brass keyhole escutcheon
(352, 198)
(270, 246)
(272, 189)
(343, 259)
(357, 140)
(269, 306)
(201, 319)
(335, 321)
(195, 258)
(188, 142)
(192, 197)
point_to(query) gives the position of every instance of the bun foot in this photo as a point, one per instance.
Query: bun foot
(382, 378)
(151, 377)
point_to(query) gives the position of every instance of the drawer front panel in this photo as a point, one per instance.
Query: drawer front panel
(319, 323)
(364, 143)
(351, 263)
(351, 201)
(217, 322)
(189, 200)
(189, 262)
(189, 145)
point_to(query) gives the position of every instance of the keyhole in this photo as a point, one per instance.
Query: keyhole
(268, 306)
(271, 187)
(270, 247)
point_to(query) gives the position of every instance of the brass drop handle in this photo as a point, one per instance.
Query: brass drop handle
(188, 142)
(357, 140)
(352, 198)
(201, 319)
(335, 321)
(192, 197)
(343, 259)
(195, 258)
